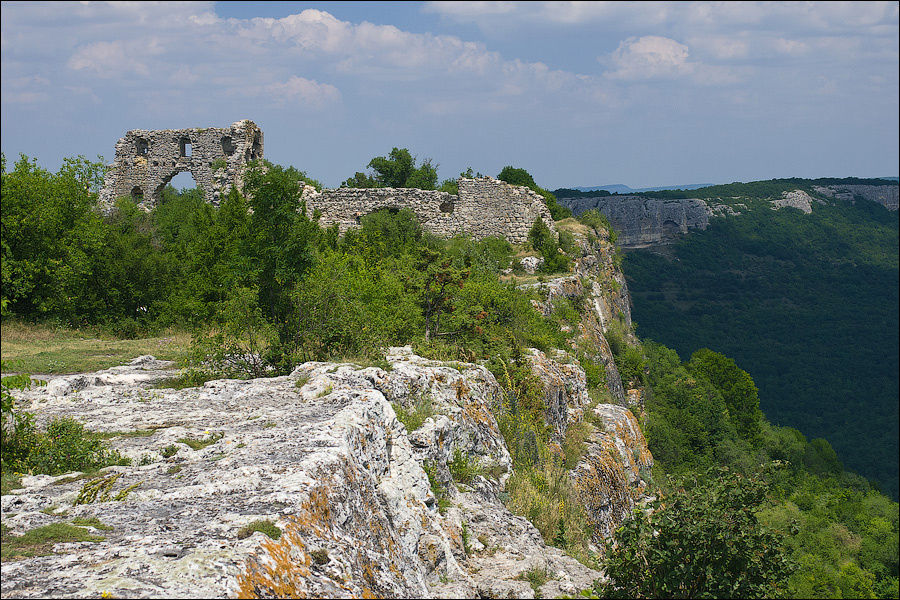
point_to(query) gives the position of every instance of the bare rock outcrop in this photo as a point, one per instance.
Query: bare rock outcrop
(885, 195)
(320, 453)
(642, 221)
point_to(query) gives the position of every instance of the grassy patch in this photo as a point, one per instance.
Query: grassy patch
(462, 467)
(440, 494)
(264, 526)
(572, 225)
(574, 445)
(100, 490)
(9, 482)
(537, 577)
(423, 407)
(46, 348)
(187, 378)
(39, 542)
(199, 444)
(105, 435)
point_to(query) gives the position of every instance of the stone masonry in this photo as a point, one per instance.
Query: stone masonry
(484, 207)
(146, 161)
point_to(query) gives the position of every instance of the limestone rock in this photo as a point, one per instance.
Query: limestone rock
(795, 199)
(612, 477)
(642, 221)
(886, 195)
(321, 454)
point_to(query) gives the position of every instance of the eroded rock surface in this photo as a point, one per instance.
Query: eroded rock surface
(321, 454)
(643, 221)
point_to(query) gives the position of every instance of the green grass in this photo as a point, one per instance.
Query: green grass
(40, 541)
(53, 349)
(199, 444)
(9, 482)
(105, 435)
(537, 577)
(416, 416)
(264, 526)
(463, 468)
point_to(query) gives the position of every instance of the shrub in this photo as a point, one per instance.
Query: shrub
(702, 539)
(263, 526)
(463, 468)
(596, 219)
(65, 445)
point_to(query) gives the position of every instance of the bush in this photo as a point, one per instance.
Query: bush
(65, 446)
(596, 219)
(542, 239)
(703, 539)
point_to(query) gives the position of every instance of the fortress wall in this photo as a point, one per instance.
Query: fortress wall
(484, 207)
(146, 161)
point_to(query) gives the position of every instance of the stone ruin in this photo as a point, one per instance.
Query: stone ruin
(484, 207)
(146, 161)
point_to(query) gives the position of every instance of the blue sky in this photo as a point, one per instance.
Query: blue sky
(645, 94)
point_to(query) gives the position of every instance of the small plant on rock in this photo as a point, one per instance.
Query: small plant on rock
(263, 526)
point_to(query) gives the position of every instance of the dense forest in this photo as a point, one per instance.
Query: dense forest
(746, 508)
(808, 304)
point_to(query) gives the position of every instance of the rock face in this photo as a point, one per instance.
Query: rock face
(146, 161)
(644, 221)
(321, 454)
(796, 199)
(600, 287)
(885, 195)
(484, 207)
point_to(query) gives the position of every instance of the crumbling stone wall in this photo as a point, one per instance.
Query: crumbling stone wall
(484, 207)
(146, 161)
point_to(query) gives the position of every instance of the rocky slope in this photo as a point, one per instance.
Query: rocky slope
(321, 454)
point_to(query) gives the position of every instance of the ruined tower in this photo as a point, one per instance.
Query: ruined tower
(146, 161)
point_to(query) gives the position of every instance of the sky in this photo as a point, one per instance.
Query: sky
(578, 93)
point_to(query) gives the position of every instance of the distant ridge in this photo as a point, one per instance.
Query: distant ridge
(620, 188)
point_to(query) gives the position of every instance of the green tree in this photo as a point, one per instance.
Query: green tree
(701, 540)
(398, 170)
(737, 389)
(516, 176)
(282, 243)
(437, 281)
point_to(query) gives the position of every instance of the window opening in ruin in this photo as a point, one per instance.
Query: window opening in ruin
(257, 148)
(183, 182)
(227, 146)
(142, 147)
(137, 194)
(185, 147)
(447, 206)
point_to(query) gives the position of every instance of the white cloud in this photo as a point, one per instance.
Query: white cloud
(307, 92)
(649, 57)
